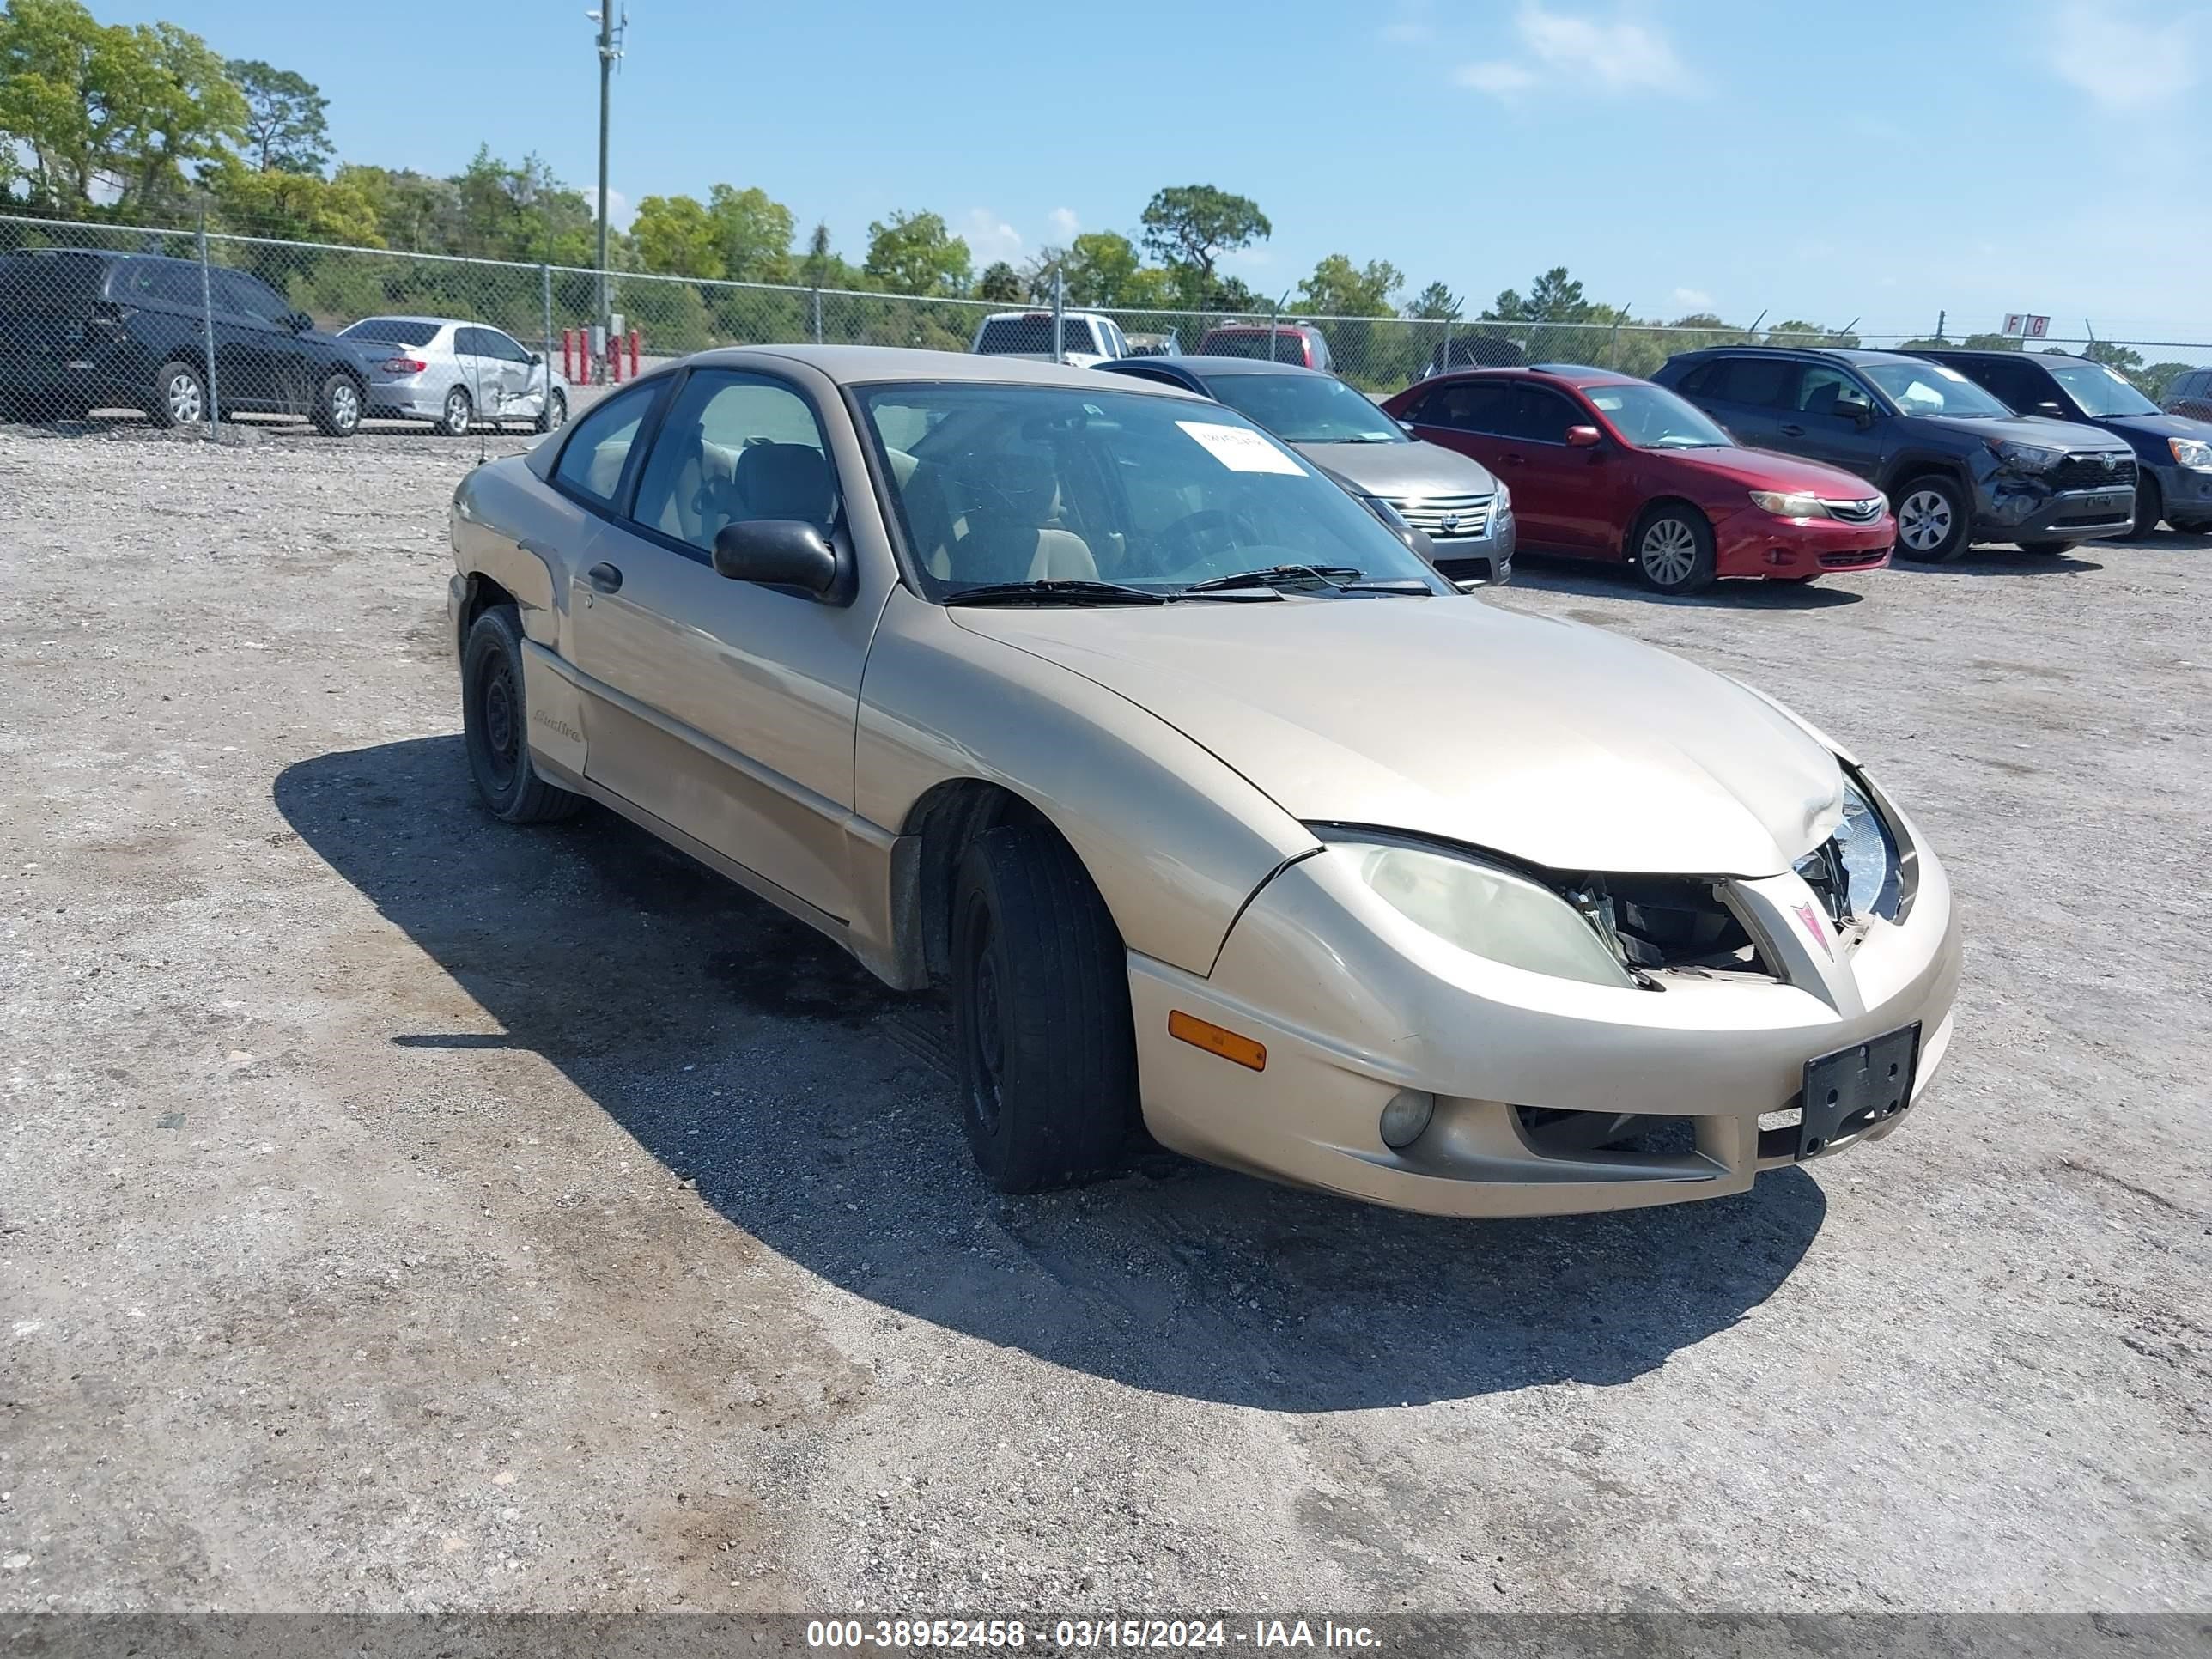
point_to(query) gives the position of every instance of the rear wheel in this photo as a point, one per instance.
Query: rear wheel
(179, 396)
(495, 722)
(1931, 519)
(2150, 507)
(337, 405)
(1673, 547)
(1040, 1004)
(459, 413)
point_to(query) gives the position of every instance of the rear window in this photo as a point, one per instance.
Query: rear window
(50, 284)
(1012, 337)
(391, 331)
(1289, 346)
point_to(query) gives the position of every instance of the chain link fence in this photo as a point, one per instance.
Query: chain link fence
(182, 325)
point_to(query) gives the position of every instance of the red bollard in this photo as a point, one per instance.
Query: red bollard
(569, 355)
(633, 354)
(613, 359)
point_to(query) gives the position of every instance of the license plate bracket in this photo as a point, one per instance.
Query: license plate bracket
(1856, 1088)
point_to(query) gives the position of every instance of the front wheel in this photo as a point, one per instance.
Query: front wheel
(2150, 507)
(554, 414)
(1931, 520)
(1041, 1005)
(496, 724)
(1672, 548)
(337, 405)
(179, 396)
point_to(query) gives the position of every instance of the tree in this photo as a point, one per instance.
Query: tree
(752, 234)
(1436, 302)
(821, 267)
(2157, 376)
(1193, 225)
(1553, 297)
(84, 106)
(676, 236)
(915, 253)
(1101, 265)
(299, 206)
(1339, 288)
(1000, 285)
(2128, 361)
(285, 130)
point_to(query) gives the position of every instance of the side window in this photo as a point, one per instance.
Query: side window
(1757, 382)
(468, 342)
(502, 346)
(734, 446)
(1473, 406)
(1826, 390)
(236, 291)
(2020, 385)
(1541, 415)
(1702, 381)
(598, 449)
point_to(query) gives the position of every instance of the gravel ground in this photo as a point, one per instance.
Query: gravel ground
(399, 1211)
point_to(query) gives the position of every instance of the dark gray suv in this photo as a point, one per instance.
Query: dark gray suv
(1959, 466)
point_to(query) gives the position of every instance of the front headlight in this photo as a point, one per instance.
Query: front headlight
(1504, 508)
(1486, 911)
(2027, 458)
(2191, 453)
(1788, 504)
(1868, 853)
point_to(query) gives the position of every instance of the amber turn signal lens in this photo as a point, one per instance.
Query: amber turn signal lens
(1204, 1034)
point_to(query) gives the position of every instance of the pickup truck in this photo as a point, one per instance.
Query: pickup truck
(1085, 337)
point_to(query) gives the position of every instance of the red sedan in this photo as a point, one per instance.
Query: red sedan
(1603, 466)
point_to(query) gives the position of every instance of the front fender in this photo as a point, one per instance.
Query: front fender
(1174, 840)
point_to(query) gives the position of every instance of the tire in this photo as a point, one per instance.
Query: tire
(1672, 547)
(459, 414)
(1040, 980)
(554, 415)
(1932, 519)
(2150, 507)
(2049, 549)
(179, 395)
(338, 405)
(495, 722)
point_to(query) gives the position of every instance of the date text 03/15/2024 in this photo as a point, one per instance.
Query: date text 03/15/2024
(1074, 1635)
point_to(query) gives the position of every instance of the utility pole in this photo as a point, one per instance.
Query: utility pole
(609, 52)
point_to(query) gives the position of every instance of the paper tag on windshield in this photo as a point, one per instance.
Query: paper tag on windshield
(1241, 449)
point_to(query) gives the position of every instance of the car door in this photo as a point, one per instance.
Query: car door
(1835, 420)
(519, 383)
(479, 370)
(731, 707)
(1748, 393)
(1572, 486)
(249, 358)
(1476, 417)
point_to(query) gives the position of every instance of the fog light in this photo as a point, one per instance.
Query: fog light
(1406, 1117)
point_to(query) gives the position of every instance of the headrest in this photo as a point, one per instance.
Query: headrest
(784, 481)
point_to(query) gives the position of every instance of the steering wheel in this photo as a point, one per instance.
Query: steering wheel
(1209, 530)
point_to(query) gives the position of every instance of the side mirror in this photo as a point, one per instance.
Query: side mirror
(299, 322)
(537, 358)
(1405, 427)
(2052, 410)
(777, 553)
(1582, 437)
(1861, 415)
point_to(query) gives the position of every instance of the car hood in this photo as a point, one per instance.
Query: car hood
(1544, 739)
(2157, 427)
(1406, 470)
(1763, 469)
(2029, 429)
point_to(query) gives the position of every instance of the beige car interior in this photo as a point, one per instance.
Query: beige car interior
(998, 520)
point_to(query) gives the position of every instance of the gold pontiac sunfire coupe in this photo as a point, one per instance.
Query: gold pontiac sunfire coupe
(1215, 810)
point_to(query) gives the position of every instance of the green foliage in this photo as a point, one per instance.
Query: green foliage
(85, 106)
(1339, 288)
(2156, 378)
(286, 130)
(821, 267)
(752, 234)
(2128, 361)
(1192, 226)
(1435, 301)
(676, 235)
(299, 206)
(1553, 297)
(915, 253)
(1000, 283)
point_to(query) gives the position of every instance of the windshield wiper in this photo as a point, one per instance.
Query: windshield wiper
(1280, 575)
(1056, 591)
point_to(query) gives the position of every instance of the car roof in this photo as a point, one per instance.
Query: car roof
(1203, 364)
(865, 365)
(409, 317)
(1830, 354)
(1040, 311)
(1262, 328)
(1982, 353)
(1581, 375)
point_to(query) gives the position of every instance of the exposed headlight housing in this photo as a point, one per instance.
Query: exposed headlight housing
(2027, 458)
(2192, 453)
(1486, 910)
(1789, 504)
(1856, 871)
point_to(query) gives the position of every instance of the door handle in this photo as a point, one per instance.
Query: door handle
(1793, 431)
(604, 577)
(1518, 460)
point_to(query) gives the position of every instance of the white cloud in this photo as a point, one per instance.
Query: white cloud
(1693, 299)
(990, 237)
(2123, 64)
(1499, 78)
(1064, 222)
(1620, 56)
(619, 208)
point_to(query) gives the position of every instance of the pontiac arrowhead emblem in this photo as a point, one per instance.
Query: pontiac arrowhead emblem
(1811, 918)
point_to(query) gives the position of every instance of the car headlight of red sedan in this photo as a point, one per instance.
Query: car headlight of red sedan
(1789, 504)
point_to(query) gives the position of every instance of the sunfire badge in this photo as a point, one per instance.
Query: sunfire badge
(1811, 918)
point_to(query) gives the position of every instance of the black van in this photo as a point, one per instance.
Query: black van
(83, 329)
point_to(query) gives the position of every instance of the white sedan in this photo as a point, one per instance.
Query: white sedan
(456, 374)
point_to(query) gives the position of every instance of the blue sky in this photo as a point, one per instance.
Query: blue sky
(1878, 159)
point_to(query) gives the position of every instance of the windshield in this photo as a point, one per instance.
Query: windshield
(1026, 483)
(1652, 417)
(2101, 392)
(1931, 389)
(392, 330)
(1307, 408)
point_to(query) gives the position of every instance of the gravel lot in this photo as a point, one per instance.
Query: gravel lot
(398, 1211)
